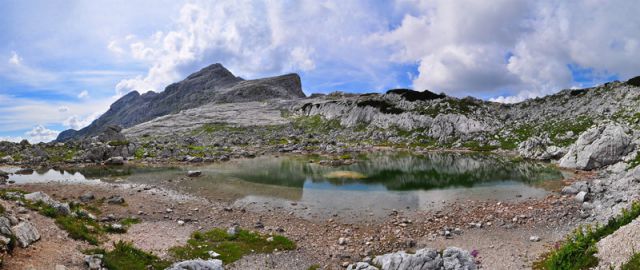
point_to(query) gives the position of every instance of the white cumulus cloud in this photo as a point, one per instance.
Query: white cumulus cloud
(256, 39)
(524, 48)
(41, 134)
(83, 94)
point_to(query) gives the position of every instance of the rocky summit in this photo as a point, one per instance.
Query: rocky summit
(212, 84)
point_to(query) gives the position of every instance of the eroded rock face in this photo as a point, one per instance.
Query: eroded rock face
(111, 133)
(197, 265)
(25, 233)
(454, 125)
(598, 147)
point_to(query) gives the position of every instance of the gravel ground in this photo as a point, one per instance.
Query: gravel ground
(503, 240)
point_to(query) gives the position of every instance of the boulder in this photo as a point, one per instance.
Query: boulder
(194, 173)
(115, 161)
(541, 148)
(94, 262)
(5, 226)
(87, 197)
(25, 233)
(111, 133)
(6, 159)
(576, 187)
(197, 264)
(39, 196)
(427, 259)
(457, 259)
(598, 147)
(115, 199)
(581, 196)
(361, 266)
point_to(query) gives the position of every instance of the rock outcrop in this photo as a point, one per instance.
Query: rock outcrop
(25, 233)
(39, 196)
(213, 84)
(197, 264)
(598, 147)
(540, 148)
(452, 258)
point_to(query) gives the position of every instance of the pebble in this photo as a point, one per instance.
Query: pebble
(342, 241)
(534, 238)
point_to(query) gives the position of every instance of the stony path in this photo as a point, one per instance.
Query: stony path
(618, 247)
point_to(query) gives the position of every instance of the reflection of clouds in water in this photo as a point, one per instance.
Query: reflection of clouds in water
(43, 176)
(355, 205)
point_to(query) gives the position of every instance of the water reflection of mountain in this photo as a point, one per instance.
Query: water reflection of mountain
(95, 172)
(401, 171)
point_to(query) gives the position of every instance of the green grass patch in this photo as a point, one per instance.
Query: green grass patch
(139, 153)
(476, 146)
(231, 248)
(632, 264)
(314, 267)
(78, 227)
(129, 221)
(118, 143)
(578, 251)
(125, 256)
(60, 153)
(81, 228)
(316, 123)
(217, 127)
(635, 162)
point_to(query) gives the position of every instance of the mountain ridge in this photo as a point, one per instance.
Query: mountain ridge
(212, 84)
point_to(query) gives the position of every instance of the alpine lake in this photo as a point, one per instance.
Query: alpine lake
(368, 189)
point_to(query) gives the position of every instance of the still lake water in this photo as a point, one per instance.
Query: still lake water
(368, 189)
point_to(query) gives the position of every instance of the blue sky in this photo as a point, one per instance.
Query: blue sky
(62, 63)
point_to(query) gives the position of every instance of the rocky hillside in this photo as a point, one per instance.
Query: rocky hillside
(213, 84)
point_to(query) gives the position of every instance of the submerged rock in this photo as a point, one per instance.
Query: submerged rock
(197, 264)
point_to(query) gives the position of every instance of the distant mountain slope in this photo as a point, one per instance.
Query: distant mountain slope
(211, 84)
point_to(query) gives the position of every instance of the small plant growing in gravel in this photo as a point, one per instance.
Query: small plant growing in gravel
(125, 256)
(230, 247)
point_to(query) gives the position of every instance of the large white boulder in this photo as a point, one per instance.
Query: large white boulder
(598, 147)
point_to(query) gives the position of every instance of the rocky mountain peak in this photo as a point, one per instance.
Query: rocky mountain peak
(212, 84)
(212, 72)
